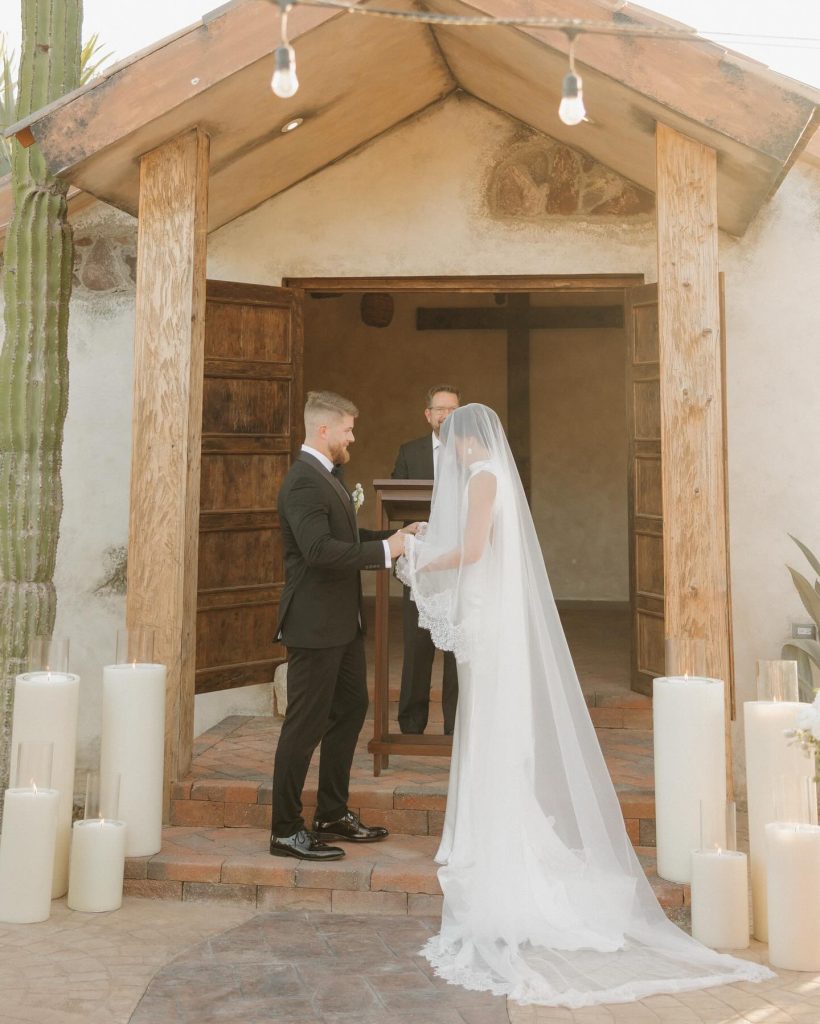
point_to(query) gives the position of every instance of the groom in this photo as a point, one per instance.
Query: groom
(321, 623)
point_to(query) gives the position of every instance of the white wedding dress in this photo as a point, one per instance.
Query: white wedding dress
(544, 898)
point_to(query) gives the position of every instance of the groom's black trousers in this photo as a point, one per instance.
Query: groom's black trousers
(327, 704)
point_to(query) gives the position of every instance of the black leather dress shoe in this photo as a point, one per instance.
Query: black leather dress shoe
(305, 846)
(349, 829)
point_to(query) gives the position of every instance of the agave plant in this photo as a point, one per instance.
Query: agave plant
(806, 652)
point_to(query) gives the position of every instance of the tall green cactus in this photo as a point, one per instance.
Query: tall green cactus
(34, 356)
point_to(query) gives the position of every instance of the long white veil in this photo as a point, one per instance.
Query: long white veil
(544, 898)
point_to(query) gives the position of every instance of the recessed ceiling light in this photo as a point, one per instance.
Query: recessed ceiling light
(292, 125)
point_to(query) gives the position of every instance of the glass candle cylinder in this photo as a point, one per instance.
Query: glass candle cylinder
(685, 656)
(777, 680)
(29, 836)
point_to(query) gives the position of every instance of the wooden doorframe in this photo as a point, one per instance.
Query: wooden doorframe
(466, 285)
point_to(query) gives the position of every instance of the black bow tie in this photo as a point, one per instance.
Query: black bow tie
(336, 471)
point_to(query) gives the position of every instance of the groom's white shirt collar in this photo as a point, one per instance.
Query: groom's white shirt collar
(318, 455)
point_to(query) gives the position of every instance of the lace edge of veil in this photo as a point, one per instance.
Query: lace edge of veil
(434, 614)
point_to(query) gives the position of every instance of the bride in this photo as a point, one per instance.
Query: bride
(544, 898)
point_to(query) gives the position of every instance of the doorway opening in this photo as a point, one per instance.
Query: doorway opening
(550, 355)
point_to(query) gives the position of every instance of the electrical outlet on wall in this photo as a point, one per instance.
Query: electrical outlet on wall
(804, 631)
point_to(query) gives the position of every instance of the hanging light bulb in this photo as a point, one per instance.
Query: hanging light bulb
(284, 82)
(571, 109)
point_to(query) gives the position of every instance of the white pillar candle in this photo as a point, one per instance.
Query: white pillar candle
(690, 765)
(97, 865)
(793, 884)
(27, 848)
(45, 709)
(768, 756)
(133, 747)
(720, 898)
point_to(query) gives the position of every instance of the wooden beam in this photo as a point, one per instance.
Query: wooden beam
(691, 382)
(479, 284)
(496, 318)
(167, 422)
(518, 384)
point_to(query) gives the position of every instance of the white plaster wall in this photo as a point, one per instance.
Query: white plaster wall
(412, 203)
(773, 349)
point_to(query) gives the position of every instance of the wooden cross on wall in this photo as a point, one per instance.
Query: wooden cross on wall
(517, 317)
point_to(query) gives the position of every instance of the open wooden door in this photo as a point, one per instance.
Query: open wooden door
(251, 427)
(646, 590)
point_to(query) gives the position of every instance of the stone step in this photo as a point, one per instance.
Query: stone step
(397, 876)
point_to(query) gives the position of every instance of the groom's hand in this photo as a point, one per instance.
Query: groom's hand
(410, 528)
(396, 544)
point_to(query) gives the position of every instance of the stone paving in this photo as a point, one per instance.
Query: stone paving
(157, 962)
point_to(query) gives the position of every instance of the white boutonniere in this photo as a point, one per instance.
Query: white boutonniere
(357, 494)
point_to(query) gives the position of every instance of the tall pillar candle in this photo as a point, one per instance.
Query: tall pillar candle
(45, 709)
(793, 885)
(133, 747)
(690, 765)
(768, 756)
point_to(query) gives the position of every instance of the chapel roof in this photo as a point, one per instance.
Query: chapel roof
(362, 76)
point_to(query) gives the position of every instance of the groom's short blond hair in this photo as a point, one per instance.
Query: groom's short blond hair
(325, 407)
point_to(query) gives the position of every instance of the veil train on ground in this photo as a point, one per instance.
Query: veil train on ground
(545, 900)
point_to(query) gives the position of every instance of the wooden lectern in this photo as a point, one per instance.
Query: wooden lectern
(396, 501)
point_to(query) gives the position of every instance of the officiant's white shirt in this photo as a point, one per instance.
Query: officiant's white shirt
(329, 467)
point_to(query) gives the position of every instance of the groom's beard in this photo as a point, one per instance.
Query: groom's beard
(339, 455)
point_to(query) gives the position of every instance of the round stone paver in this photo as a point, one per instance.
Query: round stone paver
(313, 969)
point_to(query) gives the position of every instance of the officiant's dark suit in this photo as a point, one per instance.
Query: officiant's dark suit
(415, 462)
(321, 623)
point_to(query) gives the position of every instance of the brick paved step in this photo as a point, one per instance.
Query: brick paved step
(619, 709)
(405, 808)
(397, 876)
(230, 785)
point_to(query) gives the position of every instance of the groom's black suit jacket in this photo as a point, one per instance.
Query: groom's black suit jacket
(415, 460)
(324, 552)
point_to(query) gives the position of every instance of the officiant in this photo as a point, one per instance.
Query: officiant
(417, 461)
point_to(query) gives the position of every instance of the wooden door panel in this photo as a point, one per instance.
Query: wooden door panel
(646, 582)
(231, 406)
(252, 405)
(238, 480)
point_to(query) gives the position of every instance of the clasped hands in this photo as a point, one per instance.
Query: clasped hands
(396, 542)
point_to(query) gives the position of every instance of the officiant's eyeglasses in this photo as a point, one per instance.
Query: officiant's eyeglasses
(442, 408)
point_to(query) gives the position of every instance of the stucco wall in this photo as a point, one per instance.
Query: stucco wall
(413, 203)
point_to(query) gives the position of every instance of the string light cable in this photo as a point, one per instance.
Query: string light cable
(571, 110)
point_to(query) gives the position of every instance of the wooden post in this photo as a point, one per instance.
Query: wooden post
(693, 483)
(167, 422)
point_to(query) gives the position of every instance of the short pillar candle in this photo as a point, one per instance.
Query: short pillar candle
(690, 765)
(793, 884)
(720, 882)
(98, 850)
(29, 838)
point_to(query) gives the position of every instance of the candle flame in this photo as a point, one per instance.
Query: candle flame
(34, 786)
